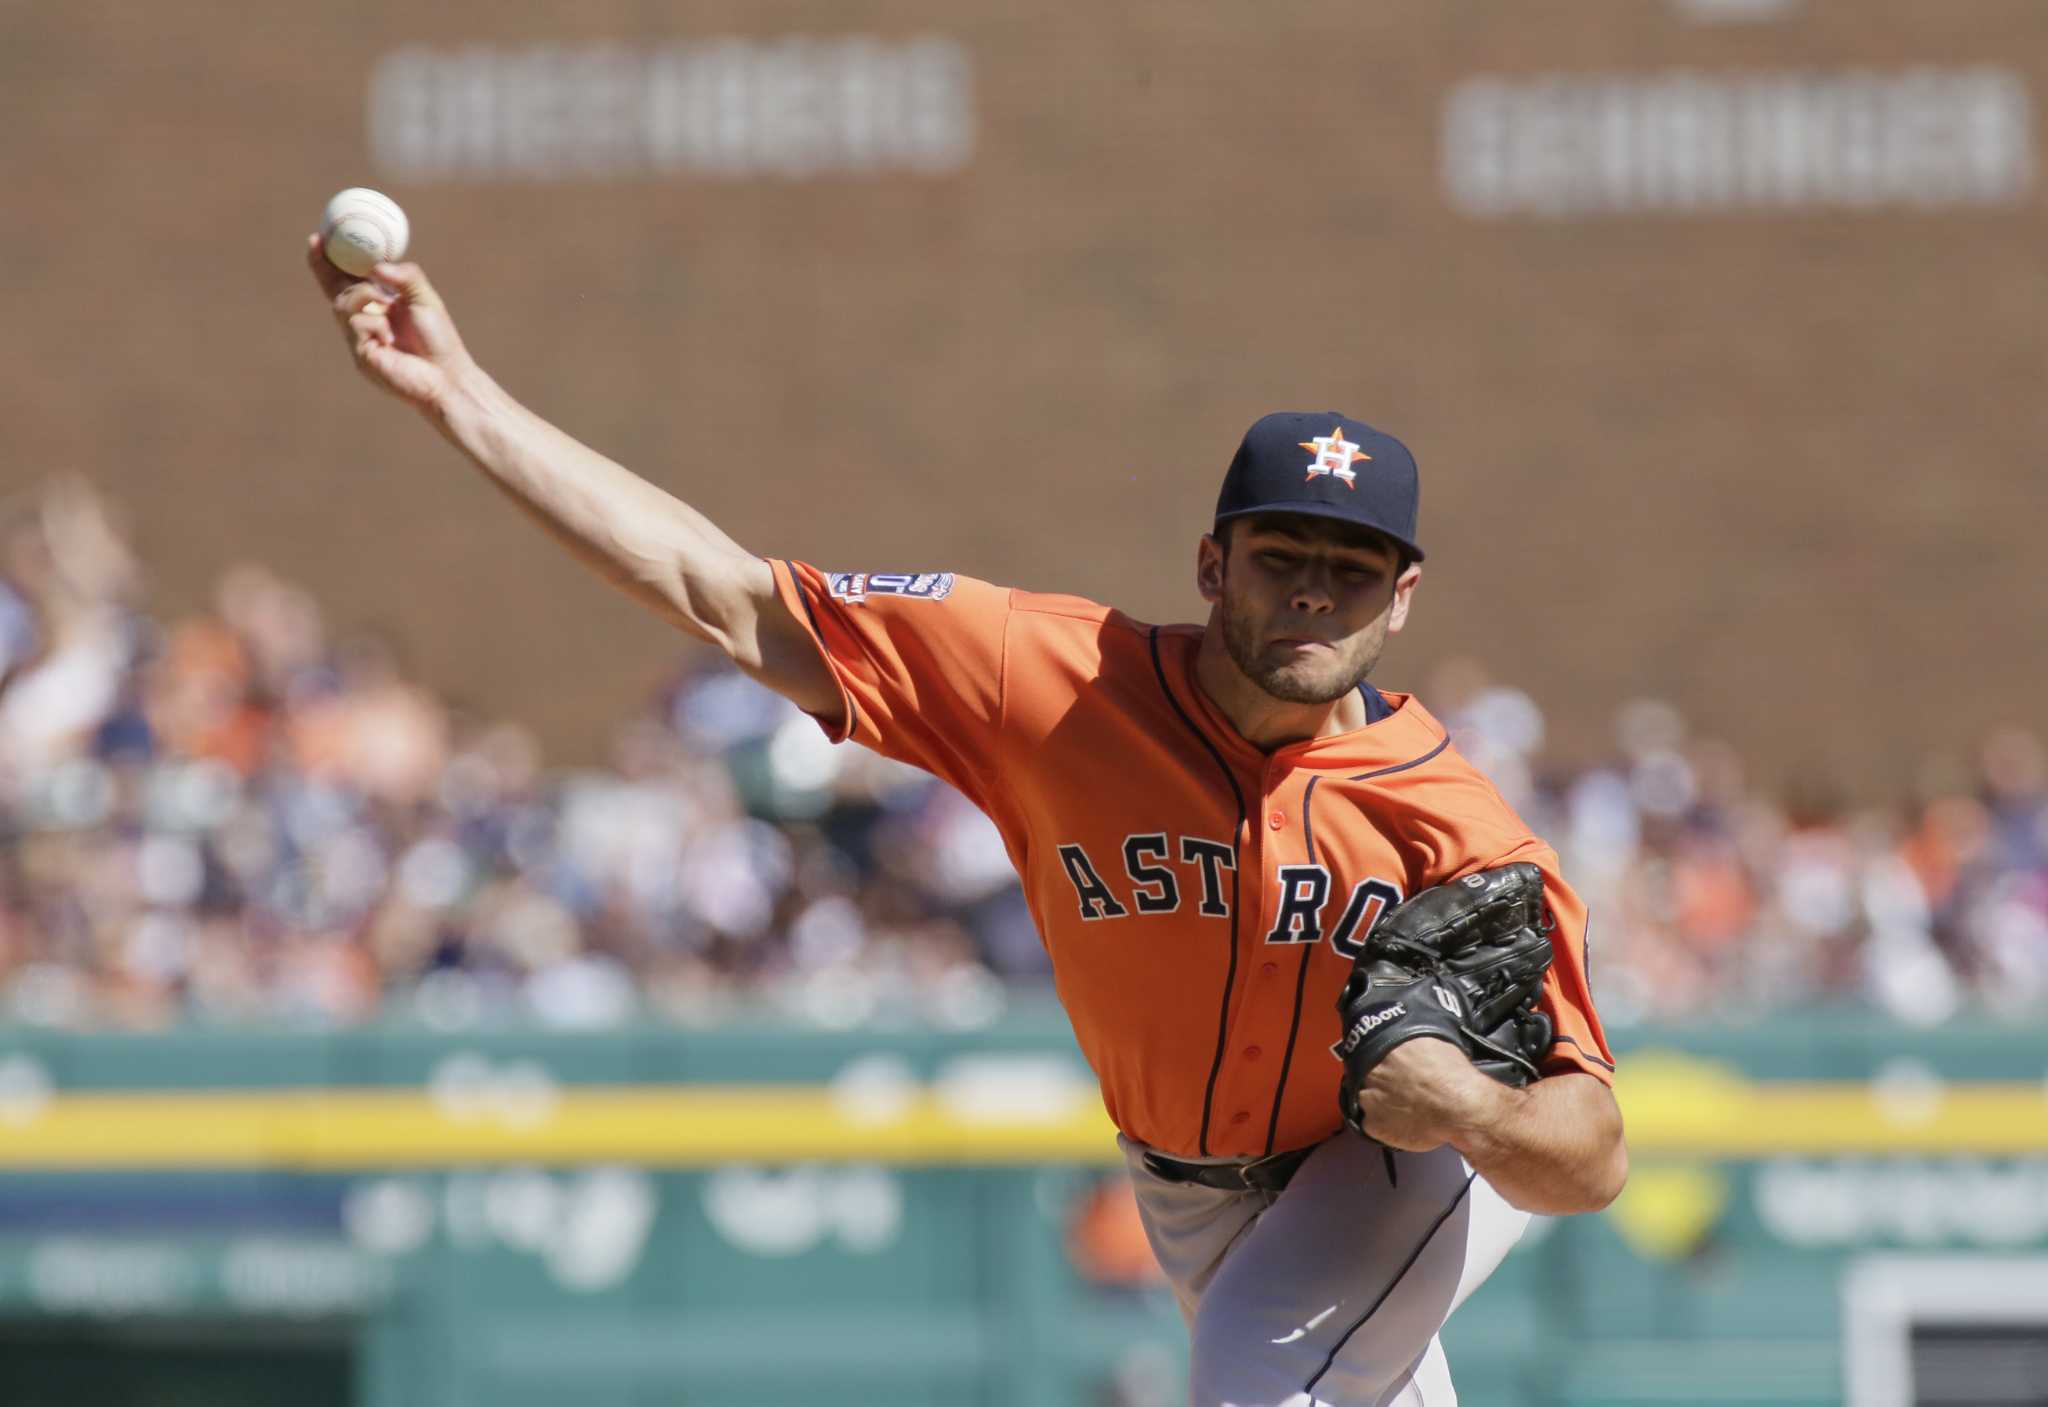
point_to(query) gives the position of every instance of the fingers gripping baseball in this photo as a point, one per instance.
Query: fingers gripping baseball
(396, 326)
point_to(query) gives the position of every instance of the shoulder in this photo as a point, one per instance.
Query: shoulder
(1068, 658)
(1449, 781)
(1053, 616)
(1444, 792)
(1056, 606)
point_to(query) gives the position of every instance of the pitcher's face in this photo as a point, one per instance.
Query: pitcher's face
(1307, 603)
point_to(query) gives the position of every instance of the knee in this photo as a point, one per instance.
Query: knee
(1230, 1371)
(1254, 1360)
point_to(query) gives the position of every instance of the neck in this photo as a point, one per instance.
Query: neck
(1262, 720)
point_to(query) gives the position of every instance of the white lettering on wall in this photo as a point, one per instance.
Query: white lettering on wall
(1578, 146)
(1910, 1202)
(722, 108)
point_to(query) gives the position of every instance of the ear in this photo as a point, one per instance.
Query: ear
(1209, 554)
(1404, 597)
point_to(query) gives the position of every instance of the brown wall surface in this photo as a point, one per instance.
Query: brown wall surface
(1782, 465)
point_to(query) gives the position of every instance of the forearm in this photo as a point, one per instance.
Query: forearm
(656, 548)
(1555, 1147)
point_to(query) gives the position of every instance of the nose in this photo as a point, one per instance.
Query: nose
(1312, 593)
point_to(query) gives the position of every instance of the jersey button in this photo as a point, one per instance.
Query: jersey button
(1252, 1052)
(1269, 968)
(1242, 1116)
(1277, 820)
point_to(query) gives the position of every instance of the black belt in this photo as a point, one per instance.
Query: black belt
(1268, 1174)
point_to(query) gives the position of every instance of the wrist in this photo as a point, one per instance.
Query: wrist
(468, 398)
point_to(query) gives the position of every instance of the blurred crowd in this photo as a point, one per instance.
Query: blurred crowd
(1718, 894)
(238, 816)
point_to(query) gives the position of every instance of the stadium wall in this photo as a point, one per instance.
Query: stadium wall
(409, 1219)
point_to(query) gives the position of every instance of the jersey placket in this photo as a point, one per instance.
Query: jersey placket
(1261, 1011)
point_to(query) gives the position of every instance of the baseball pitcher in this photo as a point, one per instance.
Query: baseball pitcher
(1333, 988)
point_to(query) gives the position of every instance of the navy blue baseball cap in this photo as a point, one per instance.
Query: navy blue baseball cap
(1329, 466)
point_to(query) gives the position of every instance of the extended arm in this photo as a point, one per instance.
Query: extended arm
(1554, 1147)
(656, 548)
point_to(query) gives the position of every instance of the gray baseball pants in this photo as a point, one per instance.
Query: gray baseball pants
(1328, 1294)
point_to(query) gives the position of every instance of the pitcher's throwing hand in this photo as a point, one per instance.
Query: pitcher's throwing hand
(396, 326)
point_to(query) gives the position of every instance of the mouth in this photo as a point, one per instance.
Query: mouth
(1302, 642)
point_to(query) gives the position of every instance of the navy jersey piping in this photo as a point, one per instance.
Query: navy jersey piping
(1567, 1040)
(1236, 869)
(1308, 950)
(1404, 766)
(818, 634)
(1413, 1256)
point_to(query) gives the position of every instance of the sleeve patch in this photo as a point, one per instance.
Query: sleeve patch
(854, 588)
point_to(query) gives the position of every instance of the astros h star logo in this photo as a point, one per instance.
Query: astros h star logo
(1334, 455)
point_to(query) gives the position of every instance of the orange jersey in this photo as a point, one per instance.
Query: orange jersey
(1202, 900)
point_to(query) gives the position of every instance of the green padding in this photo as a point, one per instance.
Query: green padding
(1817, 1046)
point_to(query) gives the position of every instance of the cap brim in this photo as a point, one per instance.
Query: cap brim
(1317, 510)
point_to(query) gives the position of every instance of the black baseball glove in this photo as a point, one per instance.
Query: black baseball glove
(1461, 962)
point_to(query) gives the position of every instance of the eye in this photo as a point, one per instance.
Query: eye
(1273, 558)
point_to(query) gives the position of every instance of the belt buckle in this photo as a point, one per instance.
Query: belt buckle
(1245, 1172)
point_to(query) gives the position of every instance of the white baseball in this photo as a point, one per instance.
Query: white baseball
(362, 227)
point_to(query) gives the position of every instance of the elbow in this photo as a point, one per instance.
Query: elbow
(1594, 1188)
(720, 599)
(1600, 1172)
(1612, 1177)
(712, 612)
(1610, 1170)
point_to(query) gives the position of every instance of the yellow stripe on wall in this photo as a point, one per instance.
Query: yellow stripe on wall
(694, 1126)
(661, 1125)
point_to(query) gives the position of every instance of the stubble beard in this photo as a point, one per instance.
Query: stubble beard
(1315, 680)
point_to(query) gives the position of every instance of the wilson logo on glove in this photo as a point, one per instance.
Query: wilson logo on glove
(1364, 1026)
